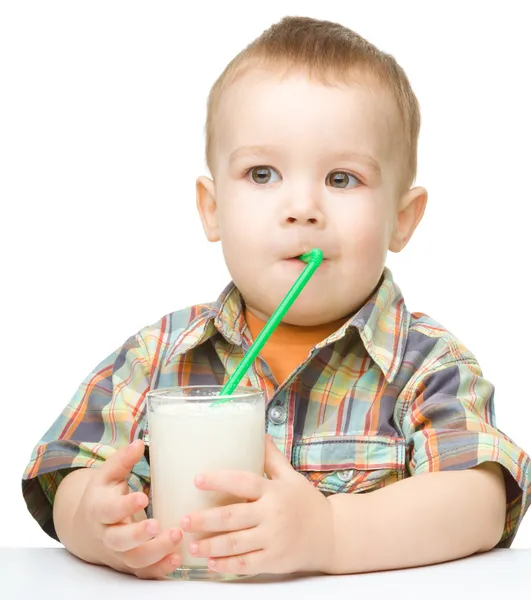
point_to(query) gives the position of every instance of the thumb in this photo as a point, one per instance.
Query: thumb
(276, 464)
(118, 466)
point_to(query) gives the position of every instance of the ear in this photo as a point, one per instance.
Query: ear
(207, 207)
(410, 211)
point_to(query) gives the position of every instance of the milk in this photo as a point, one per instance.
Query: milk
(191, 437)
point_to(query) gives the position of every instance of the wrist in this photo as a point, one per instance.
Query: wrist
(325, 539)
(344, 553)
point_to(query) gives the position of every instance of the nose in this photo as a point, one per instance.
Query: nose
(304, 210)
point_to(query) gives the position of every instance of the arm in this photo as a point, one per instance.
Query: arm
(89, 492)
(99, 411)
(426, 519)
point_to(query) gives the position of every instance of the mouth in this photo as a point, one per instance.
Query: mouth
(296, 261)
(293, 259)
(298, 257)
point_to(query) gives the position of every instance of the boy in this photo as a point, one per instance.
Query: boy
(383, 450)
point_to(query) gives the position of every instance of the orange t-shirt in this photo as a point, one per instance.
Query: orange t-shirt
(289, 345)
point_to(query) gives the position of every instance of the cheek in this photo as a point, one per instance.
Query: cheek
(244, 215)
(238, 225)
(366, 229)
(242, 236)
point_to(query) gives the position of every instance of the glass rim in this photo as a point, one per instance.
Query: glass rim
(170, 393)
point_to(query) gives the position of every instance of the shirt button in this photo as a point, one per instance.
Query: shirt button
(345, 475)
(278, 415)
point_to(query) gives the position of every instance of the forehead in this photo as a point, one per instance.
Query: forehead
(270, 107)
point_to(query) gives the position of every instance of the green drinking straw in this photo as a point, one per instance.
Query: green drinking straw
(314, 258)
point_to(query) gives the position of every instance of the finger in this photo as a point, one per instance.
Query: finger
(243, 564)
(114, 509)
(119, 465)
(160, 569)
(154, 550)
(242, 484)
(122, 538)
(228, 544)
(276, 464)
(232, 517)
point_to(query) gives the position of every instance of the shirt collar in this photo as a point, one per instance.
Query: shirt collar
(382, 323)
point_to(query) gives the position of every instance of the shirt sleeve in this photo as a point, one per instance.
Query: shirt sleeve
(449, 424)
(106, 413)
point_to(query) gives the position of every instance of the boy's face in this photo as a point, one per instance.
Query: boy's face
(301, 165)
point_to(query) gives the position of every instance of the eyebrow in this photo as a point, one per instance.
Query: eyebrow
(365, 159)
(252, 150)
(348, 155)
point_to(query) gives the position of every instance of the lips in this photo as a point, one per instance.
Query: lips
(297, 256)
(296, 261)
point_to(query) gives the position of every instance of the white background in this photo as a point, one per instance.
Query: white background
(102, 108)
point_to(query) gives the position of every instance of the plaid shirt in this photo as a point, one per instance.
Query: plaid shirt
(389, 395)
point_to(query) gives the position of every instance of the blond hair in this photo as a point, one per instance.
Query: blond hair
(324, 48)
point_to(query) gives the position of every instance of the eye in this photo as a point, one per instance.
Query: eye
(342, 179)
(263, 175)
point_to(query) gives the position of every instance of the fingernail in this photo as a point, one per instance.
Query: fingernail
(185, 522)
(194, 548)
(199, 480)
(175, 535)
(211, 564)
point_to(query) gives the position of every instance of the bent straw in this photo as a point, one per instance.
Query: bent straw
(314, 258)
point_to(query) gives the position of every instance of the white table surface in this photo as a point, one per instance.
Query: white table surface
(53, 573)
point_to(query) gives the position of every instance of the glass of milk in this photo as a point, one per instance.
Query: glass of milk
(189, 436)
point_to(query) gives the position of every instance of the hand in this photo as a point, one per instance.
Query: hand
(286, 525)
(115, 516)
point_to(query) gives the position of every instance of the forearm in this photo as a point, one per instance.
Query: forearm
(426, 519)
(73, 529)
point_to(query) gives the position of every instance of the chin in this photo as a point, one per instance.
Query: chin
(316, 305)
